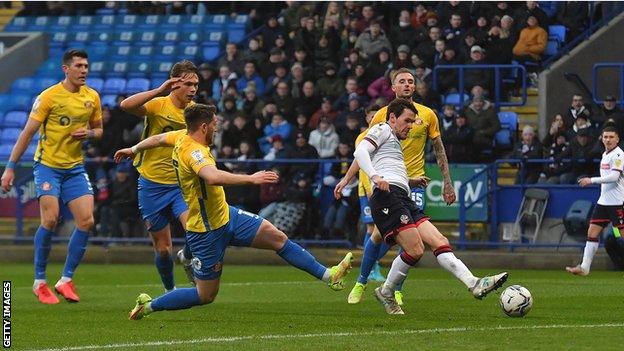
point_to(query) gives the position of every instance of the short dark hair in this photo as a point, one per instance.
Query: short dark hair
(398, 105)
(610, 127)
(196, 114)
(399, 71)
(183, 67)
(69, 55)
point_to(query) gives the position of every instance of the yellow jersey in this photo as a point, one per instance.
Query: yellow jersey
(61, 112)
(426, 126)
(161, 116)
(364, 186)
(208, 209)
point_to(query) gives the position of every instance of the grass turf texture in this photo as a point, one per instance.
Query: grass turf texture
(261, 307)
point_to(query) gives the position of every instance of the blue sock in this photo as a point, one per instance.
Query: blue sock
(383, 250)
(164, 265)
(178, 299)
(366, 237)
(75, 250)
(187, 252)
(371, 250)
(302, 259)
(43, 237)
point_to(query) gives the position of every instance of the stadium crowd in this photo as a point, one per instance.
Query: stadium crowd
(305, 85)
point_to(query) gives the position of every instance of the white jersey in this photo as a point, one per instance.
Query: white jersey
(612, 194)
(388, 158)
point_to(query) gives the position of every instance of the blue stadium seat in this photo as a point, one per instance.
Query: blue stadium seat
(136, 85)
(191, 37)
(109, 101)
(117, 70)
(18, 24)
(83, 23)
(97, 69)
(509, 119)
(103, 37)
(168, 37)
(558, 32)
(552, 48)
(43, 83)
(105, 22)
(4, 102)
(216, 38)
(23, 85)
(80, 37)
(148, 37)
(61, 23)
(211, 53)
(41, 24)
(1, 117)
(121, 53)
(15, 119)
(161, 69)
(58, 39)
(29, 154)
(216, 22)
(51, 68)
(503, 138)
(157, 82)
(194, 22)
(126, 22)
(241, 20)
(149, 22)
(19, 102)
(166, 53)
(124, 37)
(139, 69)
(114, 86)
(9, 135)
(142, 53)
(455, 99)
(236, 35)
(5, 151)
(172, 22)
(96, 83)
(190, 52)
(56, 52)
(98, 52)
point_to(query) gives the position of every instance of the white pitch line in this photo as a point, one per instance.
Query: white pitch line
(233, 339)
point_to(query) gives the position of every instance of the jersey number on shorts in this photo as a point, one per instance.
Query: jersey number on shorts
(418, 199)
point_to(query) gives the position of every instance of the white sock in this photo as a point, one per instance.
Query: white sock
(397, 274)
(588, 254)
(454, 265)
(64, 279)
(37, 282)
(326, 275)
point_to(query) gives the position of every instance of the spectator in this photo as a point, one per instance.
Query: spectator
(297, 79)
(454, 31)
(326, 111)
(507, 28)
(303, 150)
(381, 87)
(305, 36)
(347, 66)
(121, 212)
(349, 132)
(278, 151)
(482, 77)
(271, 30)
(351, 87)
(402, 58)
(528, 148)
(448, 81)
(278, 128)
(609, 110)
(323, 53)
(252, 106)
(353, 109)
(426, 49)
(229, 110)
(577, 108)
(557, 127)
(283, 43)
(301, 127)
(553, 171)
(366, 19)
(250, 75)
(288, 214)
(447, 118)
(226, 77)
(466, 44)
(330, 85)
(362, 77)
(284, 102)
(380, 64)
(446, 9)
(207, 78)
(424, 96)
(458, 139)
(480, 32)
(502, 9)
(483, 119)
(232, 59)
(526, 10)
(309, 102)
(422, 73)
(306, 61)
(279, 75)
(238, 131)
(324, 139)
(419, 16)
(403, 33)
(341, 211)
(372, 40)
(423, 32)
(254, 53)
(270, 195)
(580, 153)
(573, 15)
(499, 47)
(532, 42)
(581, 122)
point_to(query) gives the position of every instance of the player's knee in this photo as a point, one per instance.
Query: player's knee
(86, 223)
(416, 252)
(207, 297)
(164, 250)
(279, 240)
(49, 222)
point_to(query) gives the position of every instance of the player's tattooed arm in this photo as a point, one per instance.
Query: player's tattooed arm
(448, 192)
(96, 129)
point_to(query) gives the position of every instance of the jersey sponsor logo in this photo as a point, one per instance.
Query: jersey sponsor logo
(385, 211)
(46, 186)
(64, 121)
(605, 166)
(89, 104)
(618, 163)
(404, 219)
(197, 155)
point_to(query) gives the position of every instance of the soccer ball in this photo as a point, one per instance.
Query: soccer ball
(516, 301)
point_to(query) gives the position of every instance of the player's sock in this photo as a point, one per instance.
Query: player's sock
(186, 250)
(366, 238)
(164, 265)
(369, 257)
(65, 279)
(42, 240)
(591, 246)
(386, 247)
(297, 256)
(398, 272)
(383, 250)
(177, 299)
(75, 250)
(447, 259)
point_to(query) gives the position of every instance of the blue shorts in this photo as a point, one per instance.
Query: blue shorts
(365, 210)
(64, 184)
(209, 248)
(418, 196)
(157, 201)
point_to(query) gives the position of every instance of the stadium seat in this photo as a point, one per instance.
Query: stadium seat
(142, 53)
(509, 119)
(4, 102)
(97, 69)
(241, 20)
(19, 102)
(41, 24)
(126, 22)
(18, 24)
(83, 23)
(552, 48)
(194, 22)
(5, 151)
(124, 37)
(161, 69)
(236, 35)
(106, 22)
(114, 86)
(58, 39)
(215, 23)
(139, 69)
(15, 119)
(106, 11)
(191, 37)
(215, 38)
(23, 85)
(149, 22)
(166, 53)
(503, 138)
(103, 37)
(79, 37)
(168, 37)
(29, 154)
(558, 32)
(455, 99)
(136, 85)
(98, 52)
(190, 53)
(44, 83)
(95, 83)
(156, 82)
(148, 37)
(109, 101)
(9, 135)
(117, 70)
(171, 22)
(61, 23)
(211, 53)
(121, 53)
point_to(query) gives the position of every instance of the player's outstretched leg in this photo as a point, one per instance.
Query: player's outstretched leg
(373, 248)
(75, 251)
(488, 284)
(142, 307)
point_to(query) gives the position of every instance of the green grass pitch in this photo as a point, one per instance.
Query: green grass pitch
(281, 308)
